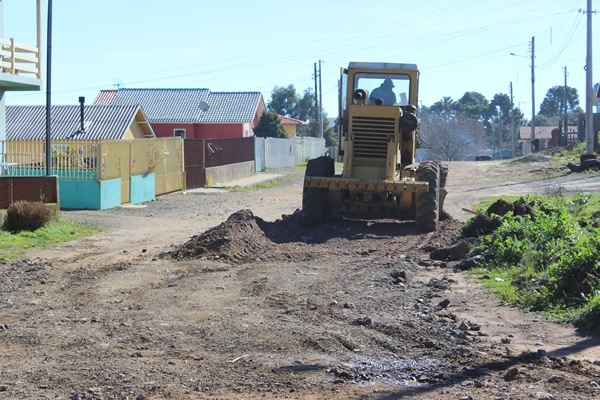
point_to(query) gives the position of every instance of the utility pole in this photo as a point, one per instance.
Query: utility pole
(565, 138)
(512, 121)
(316, 95)
(533, 91)
(49, 92)
(320, 103)
(589, 116)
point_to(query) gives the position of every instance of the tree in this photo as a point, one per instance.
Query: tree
(473, 105)
(553, 106)
(270, 125)
(445, 107)
(313, 129)
(498, 124)
(285, 101)
(305, 107)
(451, 140)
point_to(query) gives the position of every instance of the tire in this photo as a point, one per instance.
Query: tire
(443, 173)
(427, 215)
(314, 200)
(443, 192)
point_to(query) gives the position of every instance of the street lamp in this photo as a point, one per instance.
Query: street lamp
(532, 88)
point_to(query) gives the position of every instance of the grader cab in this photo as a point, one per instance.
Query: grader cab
(378, 137)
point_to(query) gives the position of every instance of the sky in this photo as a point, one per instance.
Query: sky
(240, 45)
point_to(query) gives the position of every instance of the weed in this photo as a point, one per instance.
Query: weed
(550, 263)
(26, 216)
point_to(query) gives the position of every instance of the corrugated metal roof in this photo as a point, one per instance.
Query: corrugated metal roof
(100, 122)
(231, 107)
(165, 105)
(105, 97)
(189, 105)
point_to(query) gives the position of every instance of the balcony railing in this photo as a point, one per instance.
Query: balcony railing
(17, 58)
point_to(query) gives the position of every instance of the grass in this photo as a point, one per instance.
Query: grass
(13, 246)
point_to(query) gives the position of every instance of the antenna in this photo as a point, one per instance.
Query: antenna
(203, 106)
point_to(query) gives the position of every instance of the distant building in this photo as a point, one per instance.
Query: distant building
(290, 125)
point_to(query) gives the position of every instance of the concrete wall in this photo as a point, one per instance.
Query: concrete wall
(142, 188)
(90, 195)
(229, 172)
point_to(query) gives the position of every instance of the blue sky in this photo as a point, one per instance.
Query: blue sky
(239, 45)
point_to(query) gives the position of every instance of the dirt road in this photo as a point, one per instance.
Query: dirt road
(189, 297)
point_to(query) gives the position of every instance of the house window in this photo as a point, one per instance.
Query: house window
(179, 133)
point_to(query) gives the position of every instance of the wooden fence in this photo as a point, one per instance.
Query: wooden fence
(205, 153)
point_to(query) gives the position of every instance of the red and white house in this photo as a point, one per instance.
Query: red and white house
(192, 113)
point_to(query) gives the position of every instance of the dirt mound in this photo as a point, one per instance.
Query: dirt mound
(532, 158)
(236, 239)
(244, 238)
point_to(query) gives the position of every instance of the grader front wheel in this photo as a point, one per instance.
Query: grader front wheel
(314, 200)
(428, 203)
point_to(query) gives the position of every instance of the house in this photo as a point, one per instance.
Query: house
(103, 156)
(543, 136)
(290, 125)
(74, 122)
(192, 113)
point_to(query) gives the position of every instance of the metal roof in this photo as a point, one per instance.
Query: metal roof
(105, 97)
(192, 105)
(100, 122)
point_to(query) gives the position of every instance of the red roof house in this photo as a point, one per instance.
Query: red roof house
(290, 125)
(192, 113)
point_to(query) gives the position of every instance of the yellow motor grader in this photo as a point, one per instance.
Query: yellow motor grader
(378, 138)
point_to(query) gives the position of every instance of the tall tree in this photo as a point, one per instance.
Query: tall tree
(286, 101)
(305, 107)
(553, 105)
(474, 105)
(498, 124)
(270, 125)
(445, 107)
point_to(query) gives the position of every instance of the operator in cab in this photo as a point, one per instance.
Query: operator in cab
(384, 93)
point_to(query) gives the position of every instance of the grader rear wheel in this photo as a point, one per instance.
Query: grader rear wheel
(314, 200)
(428, 203)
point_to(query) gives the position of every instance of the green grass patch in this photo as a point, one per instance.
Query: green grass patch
(549, 263)
(59, 230)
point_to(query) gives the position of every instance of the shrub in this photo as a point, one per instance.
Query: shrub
(26, 216)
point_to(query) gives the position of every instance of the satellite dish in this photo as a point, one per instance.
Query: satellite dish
(203, 106)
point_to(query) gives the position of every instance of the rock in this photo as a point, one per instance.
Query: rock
(511, 374)
(363, 321)
(459, 250)
(398, 276)
(469, 263)
(444, 303)
(439, 254)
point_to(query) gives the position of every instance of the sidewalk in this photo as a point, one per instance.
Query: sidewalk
(247, 181)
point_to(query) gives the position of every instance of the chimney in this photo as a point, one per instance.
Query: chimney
(81, 103)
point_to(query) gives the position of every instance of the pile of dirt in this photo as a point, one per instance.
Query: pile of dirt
(485, 224)
(532, 158)
(236, 239)
(245, 238)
